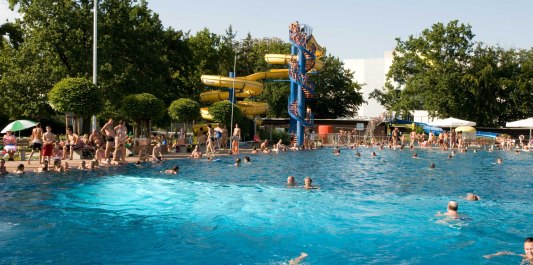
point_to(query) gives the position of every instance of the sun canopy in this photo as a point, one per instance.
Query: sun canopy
(452, 122)
(527, 123)
(19, 125)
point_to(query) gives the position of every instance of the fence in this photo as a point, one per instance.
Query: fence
(348, 139)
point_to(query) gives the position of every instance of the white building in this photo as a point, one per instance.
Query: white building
(371, 73)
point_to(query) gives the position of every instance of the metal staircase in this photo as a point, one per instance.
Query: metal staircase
(372, 124)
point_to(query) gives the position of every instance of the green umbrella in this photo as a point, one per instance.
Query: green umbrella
(19, 125)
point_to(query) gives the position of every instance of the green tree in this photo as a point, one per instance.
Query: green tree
(142, 109)
(428, 71)
(221, 112)
(337, 95)
(74, 95)
(184, 109)
(133, 52)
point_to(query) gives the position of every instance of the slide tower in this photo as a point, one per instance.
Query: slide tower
(305, 52)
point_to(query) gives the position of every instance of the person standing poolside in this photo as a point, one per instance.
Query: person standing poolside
(218, 135)
(72, 143)
(121, 132)
(224, 138)
(528, 252)
(236, 139)
(210, 140)
(49, 140)
(412, 138)
(395, 134)
(109, 134)
(10, 145)
(36, 142)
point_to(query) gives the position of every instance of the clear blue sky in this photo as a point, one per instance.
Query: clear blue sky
(349, 29)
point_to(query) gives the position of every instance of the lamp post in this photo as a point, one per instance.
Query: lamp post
(233, 94)
(95, 42)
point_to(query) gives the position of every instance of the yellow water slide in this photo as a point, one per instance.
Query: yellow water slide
(250, 85)
(245, 87)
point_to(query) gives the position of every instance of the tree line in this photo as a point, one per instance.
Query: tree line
(443, 70)
(137, 55)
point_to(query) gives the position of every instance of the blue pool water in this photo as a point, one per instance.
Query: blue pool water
(367, 211)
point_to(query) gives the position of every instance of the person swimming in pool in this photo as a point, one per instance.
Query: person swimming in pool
(291, 182)
(174, 170)
(308, 184)
(471, 197)
(527, 256)
(453, 206)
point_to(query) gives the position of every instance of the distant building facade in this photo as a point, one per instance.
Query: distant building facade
(371, 72)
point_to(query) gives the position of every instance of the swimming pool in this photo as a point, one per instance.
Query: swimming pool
(367, 211)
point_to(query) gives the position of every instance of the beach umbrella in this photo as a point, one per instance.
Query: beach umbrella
(526, 123)
(19, 125)
(452, 123)
(469, 132)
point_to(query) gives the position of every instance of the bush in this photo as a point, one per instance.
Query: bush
(221, 112)
(143, 106)
(184, 109)
(75, 95)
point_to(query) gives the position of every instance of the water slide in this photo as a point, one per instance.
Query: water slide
(247, 86)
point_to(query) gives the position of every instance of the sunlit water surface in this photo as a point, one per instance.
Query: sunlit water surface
(368, 210)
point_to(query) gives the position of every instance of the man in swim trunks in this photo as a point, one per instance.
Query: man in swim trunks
(36, 140)
(48, 140)
(73, 143)
(109, 133)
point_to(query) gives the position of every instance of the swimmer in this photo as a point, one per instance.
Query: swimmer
(415, 155)
(43, 167)
(3, 169)
(499, 160)
(432, 165)
(358, 154)
(20, 169)
(373, 154)
(291, 182)
(174, 170)
(92, 165)
(450, 156)
(528, 252)
(298, 259)
(237, 162)
(247, 159)
(82, 165)
(308, 184)
(472, 197)
(452, 210)
(254, 151)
